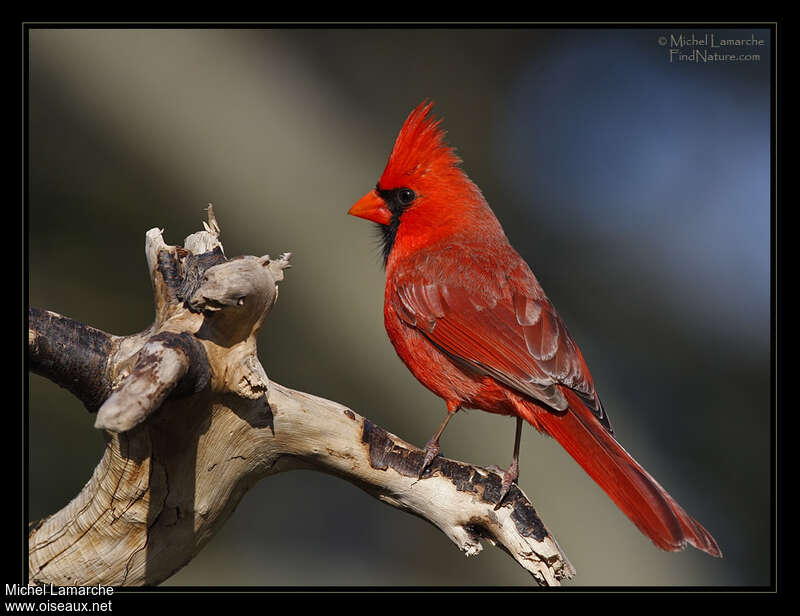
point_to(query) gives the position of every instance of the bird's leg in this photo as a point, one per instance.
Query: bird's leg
(432, 446)
(511, 475)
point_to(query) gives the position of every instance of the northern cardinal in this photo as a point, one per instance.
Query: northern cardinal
(469, 319)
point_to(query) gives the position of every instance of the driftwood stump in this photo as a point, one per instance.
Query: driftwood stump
(192, 422)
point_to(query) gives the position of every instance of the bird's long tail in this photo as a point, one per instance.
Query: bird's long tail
(631, 487)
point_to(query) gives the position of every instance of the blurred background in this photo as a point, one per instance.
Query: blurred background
(636, 188)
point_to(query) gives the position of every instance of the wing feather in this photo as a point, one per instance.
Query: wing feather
(511, 334)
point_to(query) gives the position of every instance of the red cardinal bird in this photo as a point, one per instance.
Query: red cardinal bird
(469, 319)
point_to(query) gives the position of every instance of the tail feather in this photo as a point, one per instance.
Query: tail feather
(631, 487)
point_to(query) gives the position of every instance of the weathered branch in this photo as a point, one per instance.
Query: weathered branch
(193, 422)
(51, 340)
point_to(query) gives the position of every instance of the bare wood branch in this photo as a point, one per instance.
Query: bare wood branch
(192, 422)
(51, 337)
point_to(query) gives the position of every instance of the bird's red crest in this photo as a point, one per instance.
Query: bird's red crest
(418, 150)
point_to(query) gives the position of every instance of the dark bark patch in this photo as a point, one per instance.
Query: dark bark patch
(527, 521)
(194, 269)
(460, 474)
(71, 354)
(199, 372)
(169, 269)
(384, 453)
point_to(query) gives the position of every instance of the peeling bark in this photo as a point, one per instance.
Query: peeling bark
(83, 374)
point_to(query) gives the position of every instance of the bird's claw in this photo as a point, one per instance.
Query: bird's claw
(509, 477)
(431, 451)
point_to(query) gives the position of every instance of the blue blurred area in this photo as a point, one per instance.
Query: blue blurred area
(601, 135)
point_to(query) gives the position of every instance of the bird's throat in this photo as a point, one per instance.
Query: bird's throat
(387, 234)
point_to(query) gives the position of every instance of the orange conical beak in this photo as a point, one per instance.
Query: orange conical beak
(373, 208)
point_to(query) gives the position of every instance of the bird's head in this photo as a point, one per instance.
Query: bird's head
(422, 190)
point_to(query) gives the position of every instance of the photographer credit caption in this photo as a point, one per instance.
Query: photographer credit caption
(711, 47)
(49, 598)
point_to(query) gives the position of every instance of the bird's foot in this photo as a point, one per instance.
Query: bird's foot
(431, 451)
(509, 477)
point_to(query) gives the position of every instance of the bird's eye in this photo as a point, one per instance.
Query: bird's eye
(406, 196)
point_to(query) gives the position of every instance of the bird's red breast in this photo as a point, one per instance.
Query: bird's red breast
(469, 319)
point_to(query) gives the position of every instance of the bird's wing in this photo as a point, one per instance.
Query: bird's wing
(507, 333)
